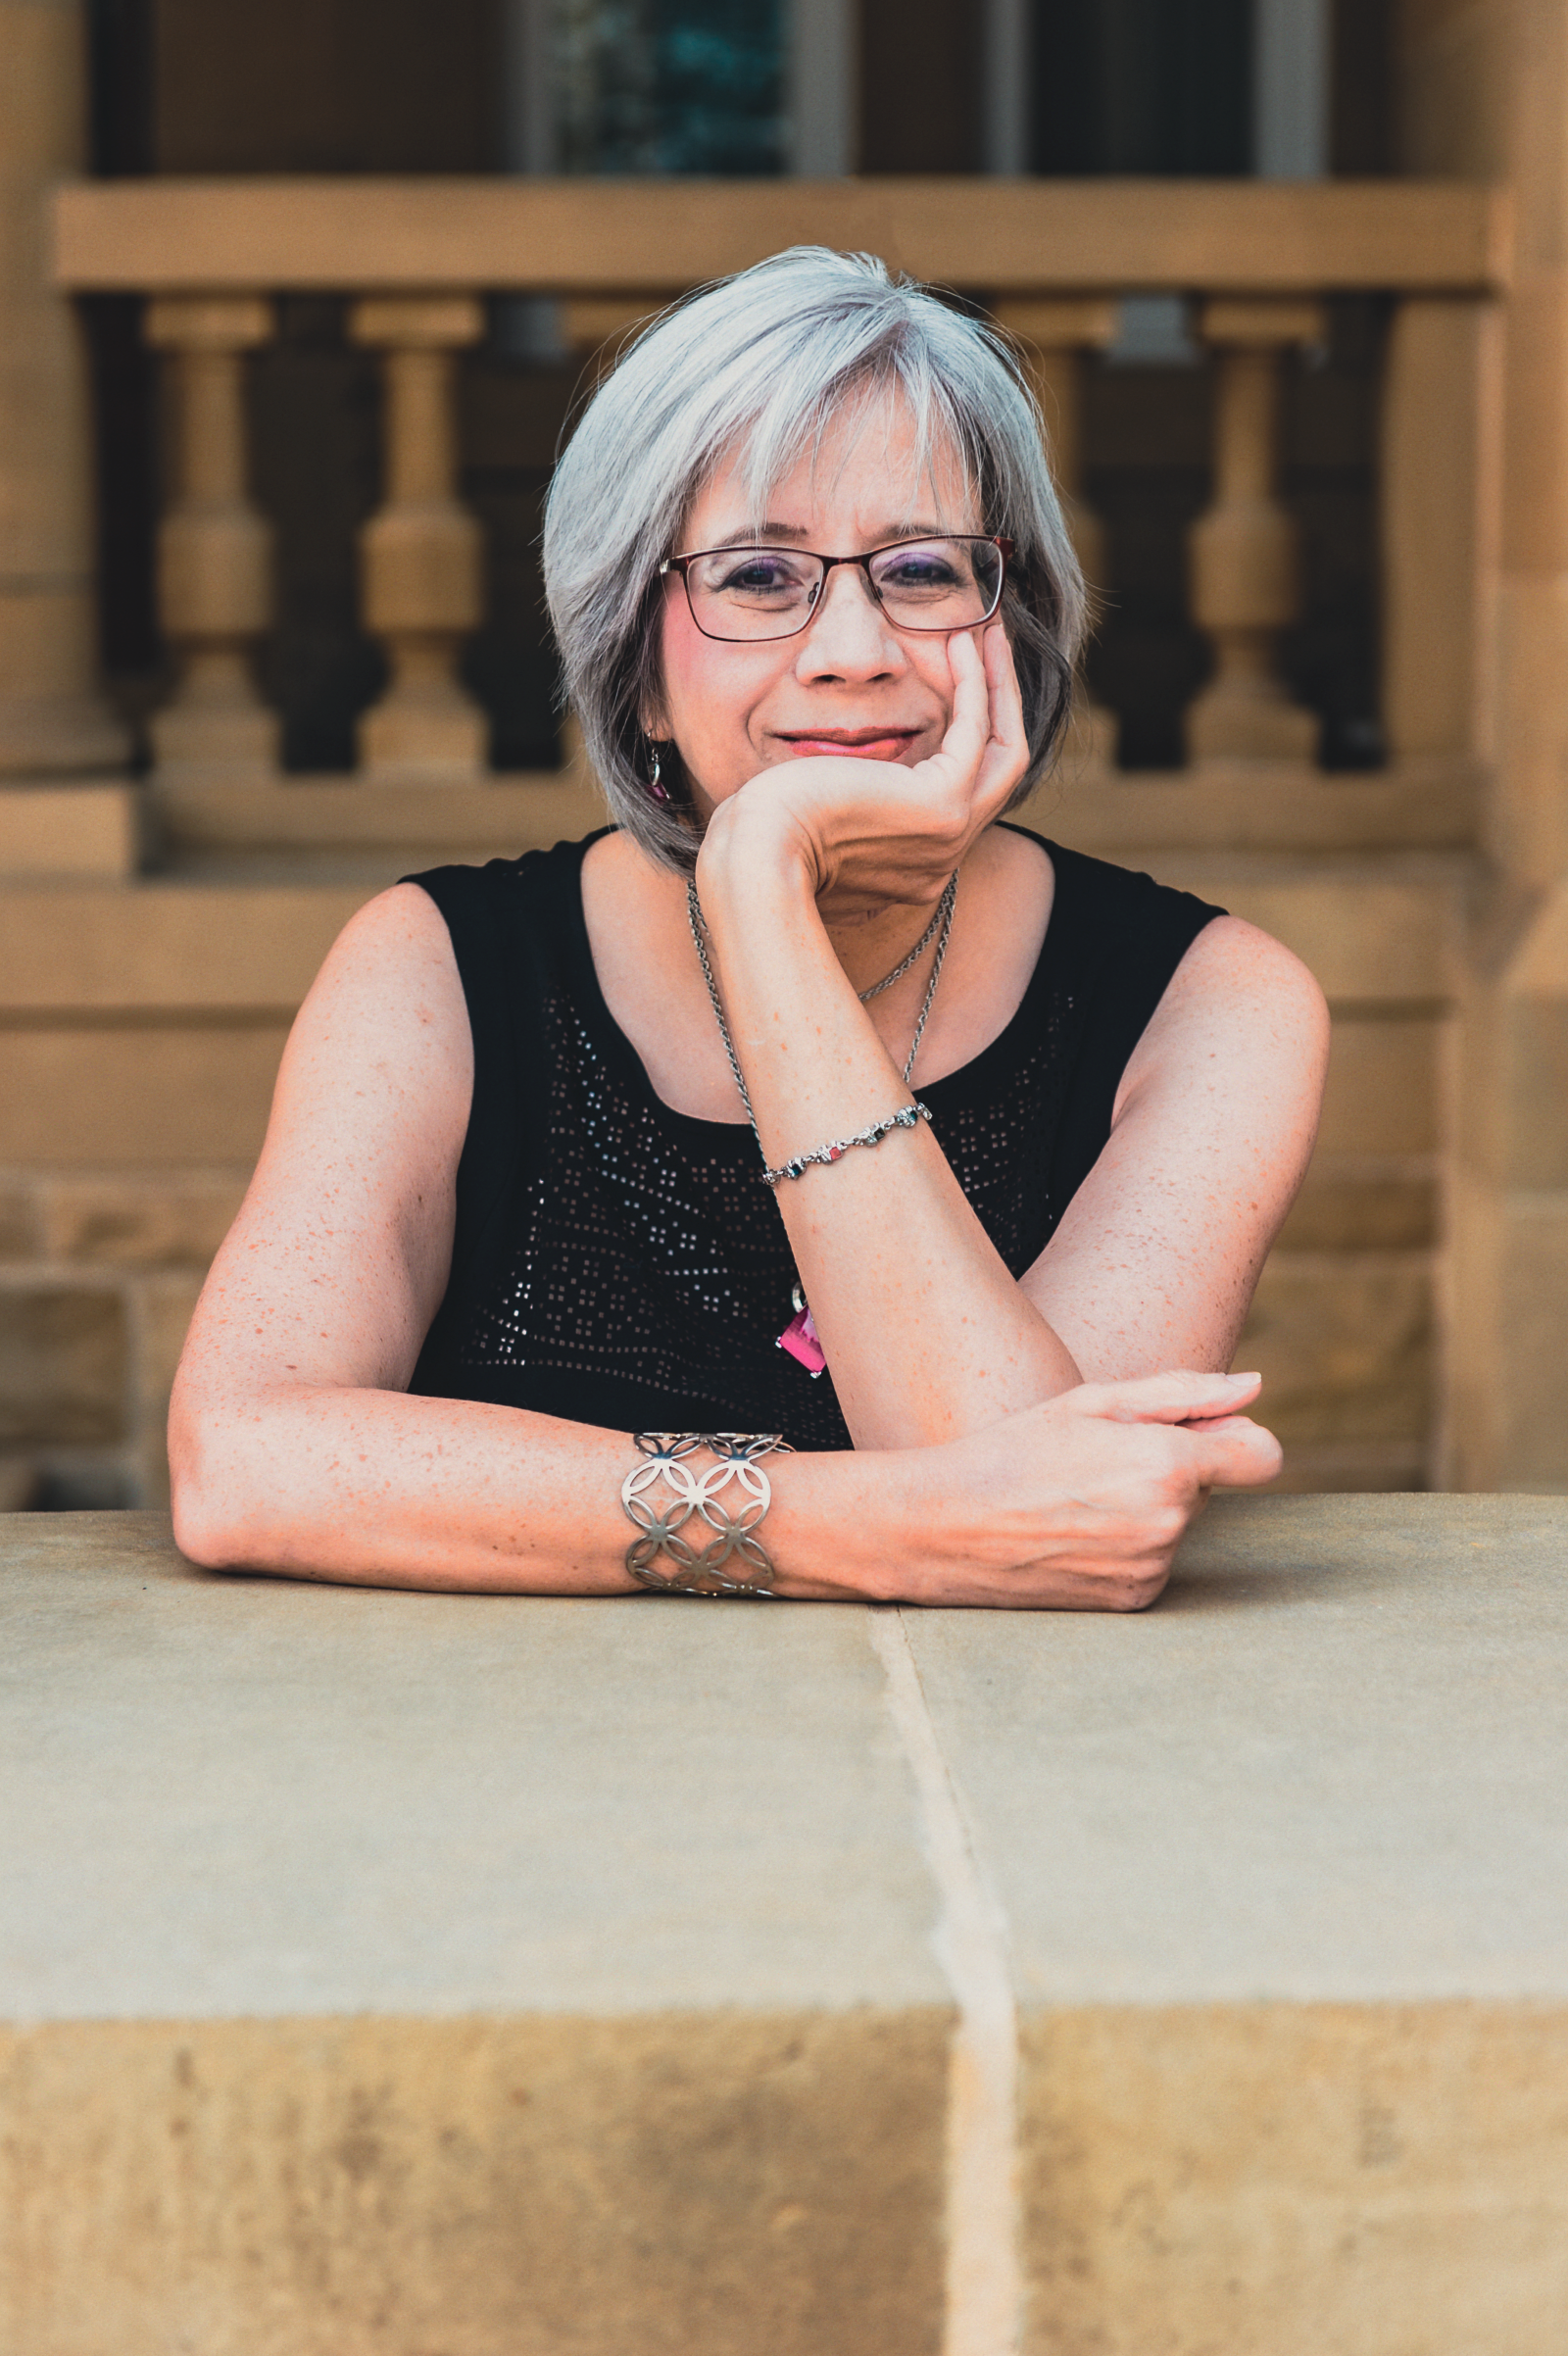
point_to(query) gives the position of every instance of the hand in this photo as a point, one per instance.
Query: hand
(867, 832)
(1081, 1503)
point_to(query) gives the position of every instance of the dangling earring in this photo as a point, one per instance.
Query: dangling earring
(655, 784)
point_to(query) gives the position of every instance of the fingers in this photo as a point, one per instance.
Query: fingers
(969, 729)
(1181, 1396)
(1227, 1450)
(1007, 697)
(1237, 1453)
(1007, 753)
(986, 748)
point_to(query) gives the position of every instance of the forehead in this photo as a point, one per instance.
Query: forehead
(870, 470)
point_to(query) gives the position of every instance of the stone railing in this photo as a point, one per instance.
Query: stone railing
(1049, 260)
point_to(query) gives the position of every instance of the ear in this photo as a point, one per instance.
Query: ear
(652, 714)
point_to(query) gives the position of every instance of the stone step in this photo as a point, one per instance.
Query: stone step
(157, 949)
(1267, 806)
(614, 1977)
(144, 1023)
(55, 833)
(1372, 934)
(1270, 806)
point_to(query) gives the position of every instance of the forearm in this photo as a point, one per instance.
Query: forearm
(384, 1489)
(924, 1327)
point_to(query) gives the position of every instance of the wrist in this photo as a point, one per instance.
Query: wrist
(865, 1526)
(753, 845)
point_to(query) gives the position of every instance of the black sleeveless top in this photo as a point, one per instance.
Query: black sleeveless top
(619, 1263)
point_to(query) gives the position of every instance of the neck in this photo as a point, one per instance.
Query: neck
(869, 942)
(869, 938)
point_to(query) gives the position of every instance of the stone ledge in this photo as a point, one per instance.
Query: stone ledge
(68, 833)
(630, 237)
(1237, 807)
(152, 949)
(314, 815)
(559, 1976)
(1259, 806)
(1378, 932)
(515, 2185)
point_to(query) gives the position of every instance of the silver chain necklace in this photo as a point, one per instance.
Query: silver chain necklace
(903, 967)
(943, 919)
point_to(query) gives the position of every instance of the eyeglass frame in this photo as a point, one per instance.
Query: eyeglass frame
(944, 629)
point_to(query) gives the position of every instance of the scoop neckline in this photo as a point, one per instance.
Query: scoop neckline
(594, 1008)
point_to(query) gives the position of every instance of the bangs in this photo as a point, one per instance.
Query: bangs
(827, 430)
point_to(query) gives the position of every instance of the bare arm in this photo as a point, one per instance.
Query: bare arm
(1157, 1254)
(927, 1332)
(295, 1447)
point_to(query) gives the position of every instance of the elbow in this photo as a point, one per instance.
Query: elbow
(212, 1527)
(216, 1497)
(203, 1535)
(240, 1526)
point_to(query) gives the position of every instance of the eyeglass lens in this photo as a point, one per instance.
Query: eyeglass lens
(772, 592)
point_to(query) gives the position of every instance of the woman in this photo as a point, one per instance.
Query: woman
(509, 1267)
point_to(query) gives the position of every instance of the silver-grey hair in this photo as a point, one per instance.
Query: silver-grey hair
(762, 364)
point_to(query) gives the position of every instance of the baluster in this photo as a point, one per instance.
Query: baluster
(1244, 548)
(1054, 336)
(420, 554)
(214, 551)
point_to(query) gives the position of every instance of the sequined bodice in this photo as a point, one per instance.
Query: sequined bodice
(621, 1264)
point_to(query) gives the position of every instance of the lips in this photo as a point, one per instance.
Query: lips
(865, 743)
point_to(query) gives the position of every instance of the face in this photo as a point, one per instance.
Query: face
(849, 683)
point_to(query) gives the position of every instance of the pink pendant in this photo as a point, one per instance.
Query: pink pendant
(799, 1338)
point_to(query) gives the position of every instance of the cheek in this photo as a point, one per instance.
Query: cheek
(710, 690)
(928, 660)
(696, 690)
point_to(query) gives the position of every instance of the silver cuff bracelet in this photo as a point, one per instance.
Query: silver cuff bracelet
(662, 1519)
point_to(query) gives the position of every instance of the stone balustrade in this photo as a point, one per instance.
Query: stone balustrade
(140, 1020)
(1050, 261)
(511, 1976)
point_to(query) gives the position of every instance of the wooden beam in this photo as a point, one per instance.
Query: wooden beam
(652, 237)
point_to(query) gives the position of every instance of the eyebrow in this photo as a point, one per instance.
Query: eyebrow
(770, 530)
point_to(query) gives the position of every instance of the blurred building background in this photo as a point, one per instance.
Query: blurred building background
(295, 303)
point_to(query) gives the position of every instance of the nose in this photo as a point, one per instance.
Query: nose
(849, 636)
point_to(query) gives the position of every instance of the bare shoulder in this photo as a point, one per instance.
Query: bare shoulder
(1229, 952)
(1239, 994)
(397, 944)
(1156, 1255)
(382, 1050)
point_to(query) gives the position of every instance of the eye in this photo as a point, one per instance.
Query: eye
(922, 568)
(755, 573)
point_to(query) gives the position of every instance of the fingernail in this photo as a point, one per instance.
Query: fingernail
(1242, 1378)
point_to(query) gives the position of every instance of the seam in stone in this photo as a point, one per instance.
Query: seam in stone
(984, 2278)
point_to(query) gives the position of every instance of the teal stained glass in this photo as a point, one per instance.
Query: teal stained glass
(669, 85)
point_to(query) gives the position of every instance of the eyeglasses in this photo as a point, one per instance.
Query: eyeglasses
(748, 594)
